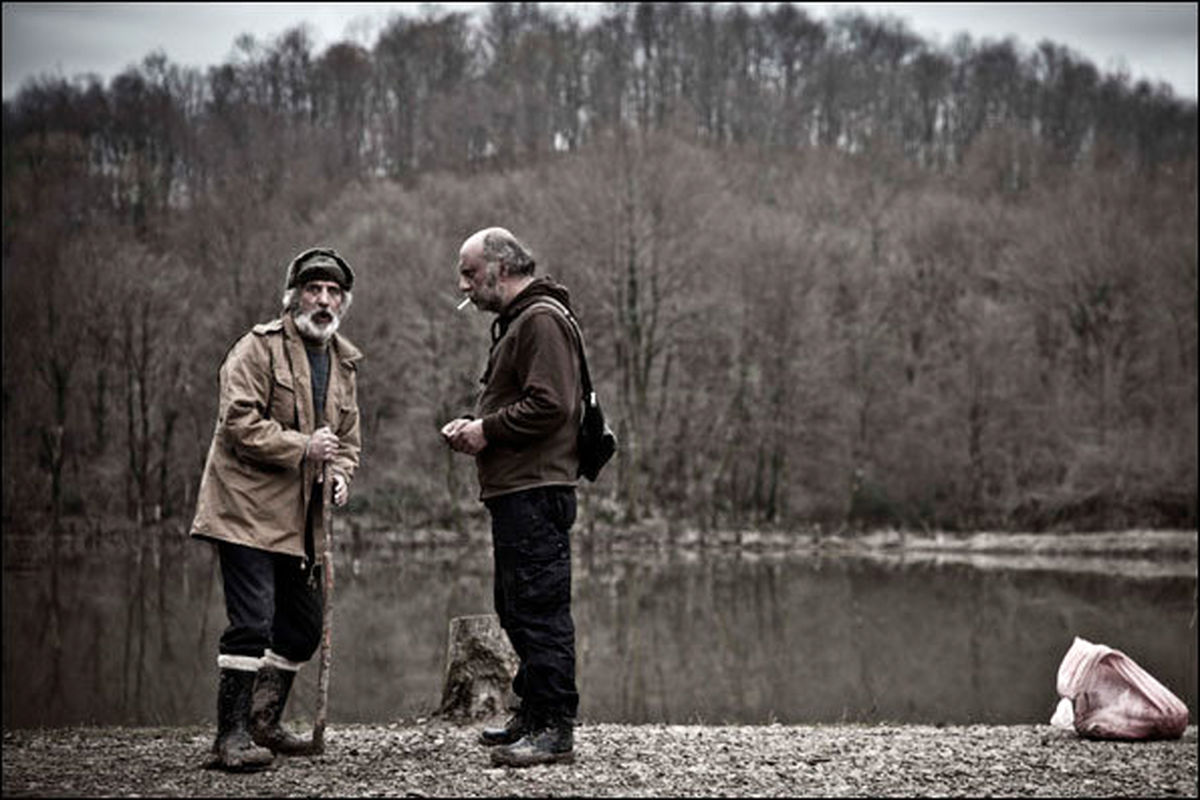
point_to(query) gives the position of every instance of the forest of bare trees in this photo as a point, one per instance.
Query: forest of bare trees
(830, 273)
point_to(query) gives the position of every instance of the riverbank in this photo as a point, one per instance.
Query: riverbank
(1132, 553)
(27, 545)
(436, 759)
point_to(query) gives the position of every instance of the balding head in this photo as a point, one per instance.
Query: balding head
(493, 267)
(497, 246)
(474, 243)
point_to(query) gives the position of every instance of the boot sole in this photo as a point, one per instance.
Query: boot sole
(216, 763)
(499, 760)
(291, 746)
(495, 743)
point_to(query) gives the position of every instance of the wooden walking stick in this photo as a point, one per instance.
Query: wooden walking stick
(318, 739)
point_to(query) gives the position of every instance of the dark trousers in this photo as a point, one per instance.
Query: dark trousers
(532, 551)
(272, 600)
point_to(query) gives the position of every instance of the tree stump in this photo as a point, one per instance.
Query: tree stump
(480, 665)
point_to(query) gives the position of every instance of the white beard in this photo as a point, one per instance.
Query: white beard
(311, 330)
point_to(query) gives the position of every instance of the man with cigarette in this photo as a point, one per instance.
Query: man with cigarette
(523, 438)
(287, 421)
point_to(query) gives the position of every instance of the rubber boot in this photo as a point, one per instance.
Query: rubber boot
(234, 750)
(550, 740)
(513, 730)
(271, 689)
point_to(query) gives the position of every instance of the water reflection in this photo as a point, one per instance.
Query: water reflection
(677, 637)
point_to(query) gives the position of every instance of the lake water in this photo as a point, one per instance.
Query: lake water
(675, 637)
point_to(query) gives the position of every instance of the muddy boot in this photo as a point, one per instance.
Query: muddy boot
(513, 730)
(271, 690)
(548, 741)
(233, 750)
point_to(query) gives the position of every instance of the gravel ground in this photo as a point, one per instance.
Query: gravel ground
(437, 759)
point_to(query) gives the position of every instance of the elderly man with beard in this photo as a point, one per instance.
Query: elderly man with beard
(287, 419)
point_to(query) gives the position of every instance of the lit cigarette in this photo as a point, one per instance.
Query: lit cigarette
(463, 304)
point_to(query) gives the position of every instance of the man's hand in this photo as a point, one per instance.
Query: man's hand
(465, 435)
(341, 489)
(323, 445)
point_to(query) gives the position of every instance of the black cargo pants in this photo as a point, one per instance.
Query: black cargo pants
(532, 551)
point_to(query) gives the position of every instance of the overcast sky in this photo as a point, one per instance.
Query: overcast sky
(1154, 41)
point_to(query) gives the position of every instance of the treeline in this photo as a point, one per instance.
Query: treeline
(830, 273)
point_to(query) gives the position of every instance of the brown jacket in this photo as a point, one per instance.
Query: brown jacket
(257, 482)
(531, 401)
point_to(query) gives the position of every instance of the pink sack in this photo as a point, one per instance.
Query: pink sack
(1106, 695)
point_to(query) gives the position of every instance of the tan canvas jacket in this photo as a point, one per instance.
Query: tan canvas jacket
(257, 482)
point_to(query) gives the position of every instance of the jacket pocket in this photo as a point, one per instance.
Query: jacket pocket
(337, 414)
(282, 406)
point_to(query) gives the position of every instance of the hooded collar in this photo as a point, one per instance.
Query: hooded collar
(544, 286)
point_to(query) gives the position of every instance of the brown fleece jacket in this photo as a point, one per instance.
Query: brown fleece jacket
(530, 404)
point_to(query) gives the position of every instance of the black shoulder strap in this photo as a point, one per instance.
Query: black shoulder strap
(550, 302)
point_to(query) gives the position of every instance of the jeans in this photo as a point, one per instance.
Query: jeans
(532, 552)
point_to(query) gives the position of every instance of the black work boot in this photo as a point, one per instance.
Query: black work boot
(234, 750)
(550, 740)
(513, 730)
(271, 690)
